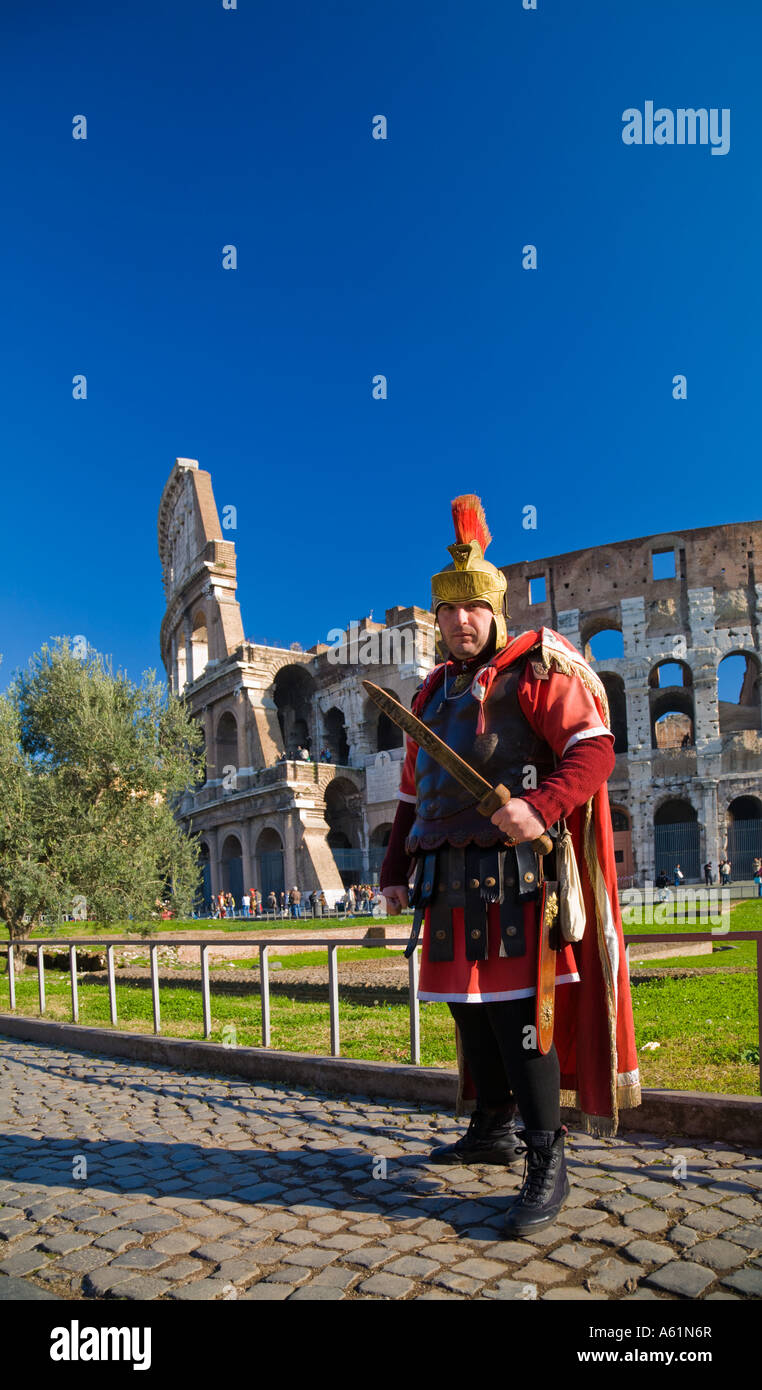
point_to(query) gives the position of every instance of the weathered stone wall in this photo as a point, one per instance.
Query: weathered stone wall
(709, 609)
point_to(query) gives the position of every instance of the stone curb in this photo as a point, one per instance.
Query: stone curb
(694, 1114)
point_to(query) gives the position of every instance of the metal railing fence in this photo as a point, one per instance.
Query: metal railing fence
(263, 947)
(332, 946)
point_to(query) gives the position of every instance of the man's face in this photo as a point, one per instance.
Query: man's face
(465, 627)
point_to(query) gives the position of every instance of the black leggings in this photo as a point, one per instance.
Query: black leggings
(493, 1037)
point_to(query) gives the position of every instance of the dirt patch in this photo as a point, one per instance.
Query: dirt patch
(359, 981)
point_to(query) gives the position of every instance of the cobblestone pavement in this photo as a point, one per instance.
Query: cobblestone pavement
(203, 1187)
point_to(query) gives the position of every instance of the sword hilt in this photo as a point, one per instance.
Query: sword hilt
(500, 796)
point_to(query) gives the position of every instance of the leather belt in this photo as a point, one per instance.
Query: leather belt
(473, 878)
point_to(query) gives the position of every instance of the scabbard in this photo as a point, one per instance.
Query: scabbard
(546, 966)
(423, 890)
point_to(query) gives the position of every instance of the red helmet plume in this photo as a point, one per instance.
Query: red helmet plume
(470, 521)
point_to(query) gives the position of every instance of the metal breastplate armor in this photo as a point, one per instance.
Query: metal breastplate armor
(445, 812)
(461, 863)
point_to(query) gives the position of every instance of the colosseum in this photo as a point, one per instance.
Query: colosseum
(302, 771)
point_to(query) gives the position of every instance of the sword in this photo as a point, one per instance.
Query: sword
(490, 798)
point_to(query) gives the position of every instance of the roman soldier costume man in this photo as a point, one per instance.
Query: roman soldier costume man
(529, 714)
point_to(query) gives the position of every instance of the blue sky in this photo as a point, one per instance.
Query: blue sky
(252, 127)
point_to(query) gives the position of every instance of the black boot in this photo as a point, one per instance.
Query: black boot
(488, 1139)
(546, 1184)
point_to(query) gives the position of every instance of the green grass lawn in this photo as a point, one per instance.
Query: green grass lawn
(747, 916)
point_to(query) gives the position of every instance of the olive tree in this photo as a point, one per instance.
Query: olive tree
(91, 768)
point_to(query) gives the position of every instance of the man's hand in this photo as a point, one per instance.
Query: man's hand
(518, 821)
(396, 898)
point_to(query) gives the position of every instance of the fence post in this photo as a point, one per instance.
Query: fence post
(74, 991)
(111, 984)
(41, 977)
(155, 989)
(205, 1000)
(264, 986)
(333, 999)
(11, 975)
(415, 1015)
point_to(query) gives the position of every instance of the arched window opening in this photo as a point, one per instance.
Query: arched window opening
(614, 687)
(269, 855)
(226, 744)
(738, 691)
(605, 645)
(199, 646)
(670, 675)
(677, 840)
(203, 900)
(384, 733)
(343, 814)
(336, 736)
(673, 730)
(673, 724)
(623, 856)
(379, 840)
(231, 866)
(744, 836)
(293, 692)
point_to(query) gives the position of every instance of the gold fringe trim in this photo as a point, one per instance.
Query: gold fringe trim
(599, 890)
(602, 1126)
(569, 667)
(599, 1126)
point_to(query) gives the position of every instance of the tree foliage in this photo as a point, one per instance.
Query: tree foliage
(91, 767)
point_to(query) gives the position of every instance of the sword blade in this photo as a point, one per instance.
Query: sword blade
(426, 738)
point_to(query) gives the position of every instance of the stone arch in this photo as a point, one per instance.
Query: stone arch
(617, 700)
(226, 742)
(343, 815)
(671, 705)
(199, 644)
(293, 691)
(270, 863)
(660, 675)
(742, 671)
(384, 733)
(677, 838)
(622, 826)
(343, 812)
(744, 834)
(204, 892)
(335, 735)
(602, 640)
(231, 867)
(379, 839)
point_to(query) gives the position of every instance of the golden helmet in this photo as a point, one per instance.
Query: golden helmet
(471, 578)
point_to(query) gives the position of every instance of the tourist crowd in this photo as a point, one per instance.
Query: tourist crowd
(359, 900)
(303, 755)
